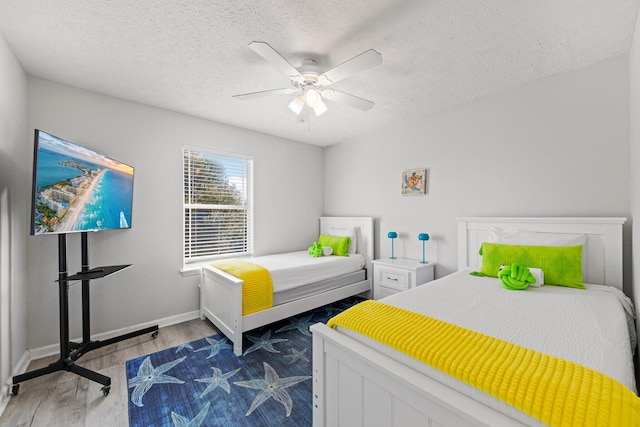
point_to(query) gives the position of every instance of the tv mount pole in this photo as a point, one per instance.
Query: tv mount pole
(72, 351)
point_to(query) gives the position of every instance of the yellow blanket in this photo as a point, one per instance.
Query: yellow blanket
(257, 291)
(555, 391)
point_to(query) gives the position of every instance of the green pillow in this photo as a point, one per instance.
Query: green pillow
(562, 265)
(339, 244)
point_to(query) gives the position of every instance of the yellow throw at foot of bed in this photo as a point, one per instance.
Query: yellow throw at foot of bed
(553, 390)
(257, 291)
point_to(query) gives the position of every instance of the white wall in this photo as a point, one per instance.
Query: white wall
(634, 160)
(15, 176)
(556, 147)
(288, 201)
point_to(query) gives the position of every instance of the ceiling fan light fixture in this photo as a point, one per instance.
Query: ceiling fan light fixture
(297, 104)
(327, 93)
(320, 109)
(313, 98)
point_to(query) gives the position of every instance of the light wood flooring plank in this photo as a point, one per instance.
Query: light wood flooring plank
(66, 399)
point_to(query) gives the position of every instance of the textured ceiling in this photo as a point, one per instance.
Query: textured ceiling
(192, 56)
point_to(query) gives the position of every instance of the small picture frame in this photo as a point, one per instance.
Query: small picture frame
(414, 182)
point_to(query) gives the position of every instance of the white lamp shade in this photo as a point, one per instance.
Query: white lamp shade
(313, 98)
(320, 109)
(297, 105)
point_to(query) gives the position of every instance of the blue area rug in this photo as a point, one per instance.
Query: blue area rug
(202, 383)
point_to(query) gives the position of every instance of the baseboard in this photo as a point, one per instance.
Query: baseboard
(53, 349)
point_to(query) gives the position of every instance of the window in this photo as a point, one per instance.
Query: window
(218, 204)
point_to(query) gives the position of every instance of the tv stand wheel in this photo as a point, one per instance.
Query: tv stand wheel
(154, 335)
(15, 389)
(106, 389)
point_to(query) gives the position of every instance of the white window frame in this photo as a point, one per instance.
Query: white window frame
(190, 252)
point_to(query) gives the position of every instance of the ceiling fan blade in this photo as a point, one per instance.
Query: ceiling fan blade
(365, 60)
(347, 99)
(252, 95)
(267, 52)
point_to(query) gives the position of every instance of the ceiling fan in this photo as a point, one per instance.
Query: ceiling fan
(312, 84)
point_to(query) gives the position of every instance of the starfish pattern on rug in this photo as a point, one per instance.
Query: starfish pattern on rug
(176, 405)
(264, 342)
(272, 386)
(330, 310)
(217, 380)
(188, 346)
(301, 325)
(214, 346)
(180, 421)
(148, 376)
(296, 355)
(344, 304)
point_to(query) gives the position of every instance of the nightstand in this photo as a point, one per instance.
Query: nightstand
(391, 276)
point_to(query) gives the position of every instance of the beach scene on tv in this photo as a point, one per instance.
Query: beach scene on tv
(78, 189)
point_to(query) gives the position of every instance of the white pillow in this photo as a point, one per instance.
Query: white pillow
(535, 238)
(351, 232)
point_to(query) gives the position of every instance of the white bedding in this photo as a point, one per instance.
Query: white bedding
(589, 327)
(292, 269)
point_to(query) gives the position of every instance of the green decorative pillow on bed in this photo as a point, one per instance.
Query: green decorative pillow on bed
(340, 245)
(562, 265)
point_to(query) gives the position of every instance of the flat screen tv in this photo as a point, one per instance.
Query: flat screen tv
(76, 189)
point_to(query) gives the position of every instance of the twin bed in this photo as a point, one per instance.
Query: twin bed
(300, 282)
(358, 381)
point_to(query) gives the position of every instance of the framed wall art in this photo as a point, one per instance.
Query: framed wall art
(414, 182)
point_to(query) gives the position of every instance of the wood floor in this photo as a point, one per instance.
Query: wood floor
(66, 399)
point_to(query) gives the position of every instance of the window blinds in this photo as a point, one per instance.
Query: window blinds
(218, 204)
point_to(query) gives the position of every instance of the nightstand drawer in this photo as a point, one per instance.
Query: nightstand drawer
(385, 292)
(392, 278)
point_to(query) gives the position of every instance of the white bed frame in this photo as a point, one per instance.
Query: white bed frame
(354, 385)
(221, 293)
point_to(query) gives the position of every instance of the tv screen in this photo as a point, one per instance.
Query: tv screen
(76, 189)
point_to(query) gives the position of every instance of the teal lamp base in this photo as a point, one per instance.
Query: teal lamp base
(423, 237)
(392, 235)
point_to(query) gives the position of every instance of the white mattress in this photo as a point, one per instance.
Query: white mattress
(315, 288)
(294, 269)
(588, 327)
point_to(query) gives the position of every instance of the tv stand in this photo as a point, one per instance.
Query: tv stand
(72, 351)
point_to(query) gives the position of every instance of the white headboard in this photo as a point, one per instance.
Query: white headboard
(364, 227)
(603, 250)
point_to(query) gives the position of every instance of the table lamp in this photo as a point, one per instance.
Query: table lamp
(392, 235)
(424, 237)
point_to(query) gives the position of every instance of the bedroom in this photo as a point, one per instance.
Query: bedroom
(579, 127)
